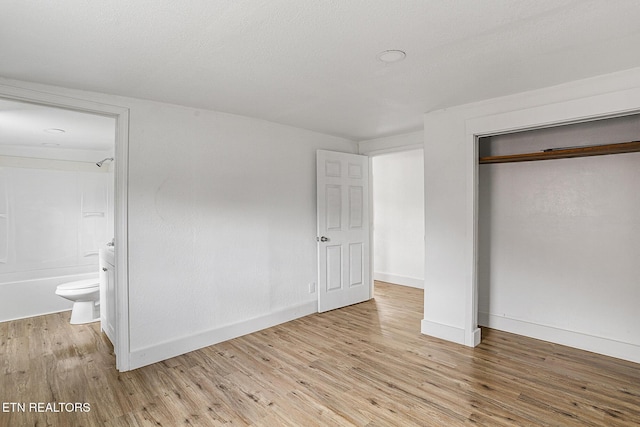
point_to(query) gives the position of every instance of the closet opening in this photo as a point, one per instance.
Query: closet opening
(558, 220)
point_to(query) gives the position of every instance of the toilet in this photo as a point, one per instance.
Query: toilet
(85, 295)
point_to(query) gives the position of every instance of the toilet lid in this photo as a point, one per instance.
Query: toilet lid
(80, 284)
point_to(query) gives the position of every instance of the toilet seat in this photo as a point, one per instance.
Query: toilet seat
(79, 284)
(85, 295)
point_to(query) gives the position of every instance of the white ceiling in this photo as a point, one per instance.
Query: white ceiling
(312, 63)
(38, 128)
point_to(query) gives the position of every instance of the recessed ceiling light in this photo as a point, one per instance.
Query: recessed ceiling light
(54, 130)
(50, 144)
(390, 56)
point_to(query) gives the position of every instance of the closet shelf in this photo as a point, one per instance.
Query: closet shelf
(563, 153)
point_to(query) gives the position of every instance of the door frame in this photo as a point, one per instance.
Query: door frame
(405, 142)
(121, 114)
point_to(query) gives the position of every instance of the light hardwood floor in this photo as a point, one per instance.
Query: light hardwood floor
(364, 365)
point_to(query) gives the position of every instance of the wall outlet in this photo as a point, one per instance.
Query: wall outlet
(312, 287)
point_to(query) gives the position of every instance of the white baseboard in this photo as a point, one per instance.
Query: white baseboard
(167, 350)
(605, 346)
(445, 332)
(474, 338)
(399, 280)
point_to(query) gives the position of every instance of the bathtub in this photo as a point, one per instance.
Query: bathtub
(32, 293)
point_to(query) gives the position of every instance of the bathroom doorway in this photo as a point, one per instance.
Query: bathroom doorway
(49, 147)
(56, 204)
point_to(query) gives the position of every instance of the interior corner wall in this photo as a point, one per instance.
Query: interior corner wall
(398, 218)
(451, 190)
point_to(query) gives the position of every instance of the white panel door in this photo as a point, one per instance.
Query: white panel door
(343, 229)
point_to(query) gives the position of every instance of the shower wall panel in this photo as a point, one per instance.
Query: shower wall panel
(52, 223)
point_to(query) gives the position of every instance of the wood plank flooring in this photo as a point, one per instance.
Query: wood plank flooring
(364, 365)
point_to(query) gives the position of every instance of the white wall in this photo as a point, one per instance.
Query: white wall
(54, 215)
(398, 217)
(556, 238)
(221, 223)
(451, 191)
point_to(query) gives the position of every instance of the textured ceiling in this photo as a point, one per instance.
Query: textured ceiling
(312, 63)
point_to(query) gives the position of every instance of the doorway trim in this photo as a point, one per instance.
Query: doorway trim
(121, 114)
(380, 146)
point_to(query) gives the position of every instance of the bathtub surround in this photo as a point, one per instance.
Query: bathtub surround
(54, 214)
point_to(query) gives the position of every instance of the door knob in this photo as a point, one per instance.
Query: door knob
(322, 239)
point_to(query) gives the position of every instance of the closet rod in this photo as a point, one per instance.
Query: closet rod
(566, 152)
